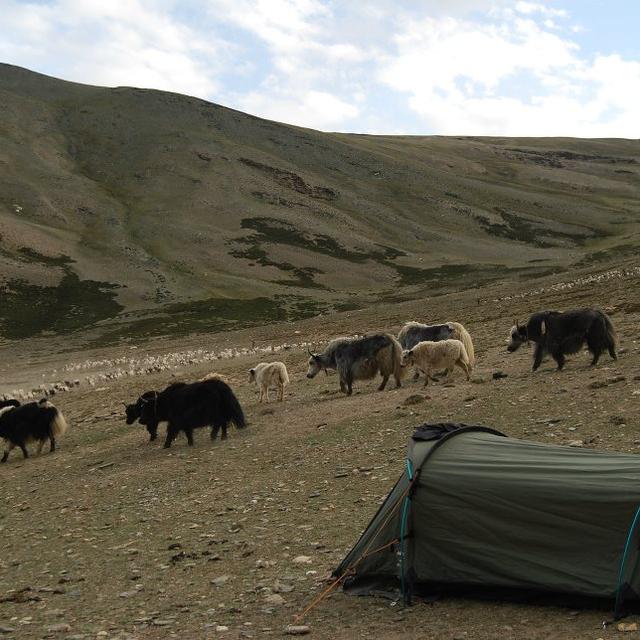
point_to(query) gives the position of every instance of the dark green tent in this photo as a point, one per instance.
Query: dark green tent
(487, 513)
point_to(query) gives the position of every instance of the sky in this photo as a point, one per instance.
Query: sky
(449, 67)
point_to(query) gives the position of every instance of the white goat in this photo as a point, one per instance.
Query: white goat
(429, 357)
(267, 375)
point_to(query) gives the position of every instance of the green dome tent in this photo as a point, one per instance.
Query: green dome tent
(481, 511)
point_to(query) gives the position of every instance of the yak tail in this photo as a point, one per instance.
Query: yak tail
(396, 356)
(458, 332)
(58, 425)
(234, 410)
(612, 336)
(464, 356)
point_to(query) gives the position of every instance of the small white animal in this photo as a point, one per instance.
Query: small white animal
(435, 356)
(268, 375)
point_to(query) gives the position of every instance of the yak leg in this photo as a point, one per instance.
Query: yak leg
(10, 446)
(595, 347)
(465, 368)
(398, 380)
(25, 453)
(52, 444)
(189, 434)
(214, 432)
(280, 392)
(40, 445)
(427, 373)
(172, 432)
(383, 384)
(349, 383)
(558, 356)
(224, 432)
(266, 393)
(537, 356)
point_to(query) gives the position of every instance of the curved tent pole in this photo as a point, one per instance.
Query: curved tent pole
(403, 532)
(623, 563)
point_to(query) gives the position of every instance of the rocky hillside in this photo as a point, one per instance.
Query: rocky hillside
(145, 213)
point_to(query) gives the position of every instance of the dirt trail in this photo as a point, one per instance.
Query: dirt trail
(114, 537)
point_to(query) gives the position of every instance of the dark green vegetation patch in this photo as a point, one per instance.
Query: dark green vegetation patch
(27, 310)
(206, 316)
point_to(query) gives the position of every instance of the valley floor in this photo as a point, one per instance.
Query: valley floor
(115, 537)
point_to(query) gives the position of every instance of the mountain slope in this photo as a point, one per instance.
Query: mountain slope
(168, 213)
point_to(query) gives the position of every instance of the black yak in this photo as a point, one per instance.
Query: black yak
(186, 407)
(9, 403)
(360, 359)
(134, 412)
(39, 421)
(560, 334)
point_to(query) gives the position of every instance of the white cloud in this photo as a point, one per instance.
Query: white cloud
(120, 42)
(529, 8)
(316, 109)
(448, 67)
(457, 76)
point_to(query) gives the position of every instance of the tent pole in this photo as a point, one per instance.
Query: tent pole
(623, 562)
(403, 533)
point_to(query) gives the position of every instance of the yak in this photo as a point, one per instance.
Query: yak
(186, 407)
(39, 421)
(360, 359)
(432, 356)
(134, 412)
(413, 333)
(560, 334)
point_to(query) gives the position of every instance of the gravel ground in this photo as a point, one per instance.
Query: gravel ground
(115, 537)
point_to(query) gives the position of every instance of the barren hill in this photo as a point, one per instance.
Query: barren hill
(150, 213)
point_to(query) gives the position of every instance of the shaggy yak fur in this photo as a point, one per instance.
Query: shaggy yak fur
(414, 332)
(36, 421)
(267, 375)
(134, 412)
(360, 359)
(186, 407)
(559, 334)
(9, 403)
(429, 357)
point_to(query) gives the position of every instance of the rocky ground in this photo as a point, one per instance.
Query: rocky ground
(115, 537)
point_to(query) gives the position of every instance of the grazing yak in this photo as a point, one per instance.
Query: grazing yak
(414, 332)
(429, 357)
(35, 421)
(186, 407)
(360, 359)
(559, 334)
(267, 375)
(134, 412)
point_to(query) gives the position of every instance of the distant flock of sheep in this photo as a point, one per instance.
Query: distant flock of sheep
(210, 401)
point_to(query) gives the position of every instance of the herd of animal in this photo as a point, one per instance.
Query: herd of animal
(429, 349)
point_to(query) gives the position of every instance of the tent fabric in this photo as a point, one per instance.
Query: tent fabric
(481, 510)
